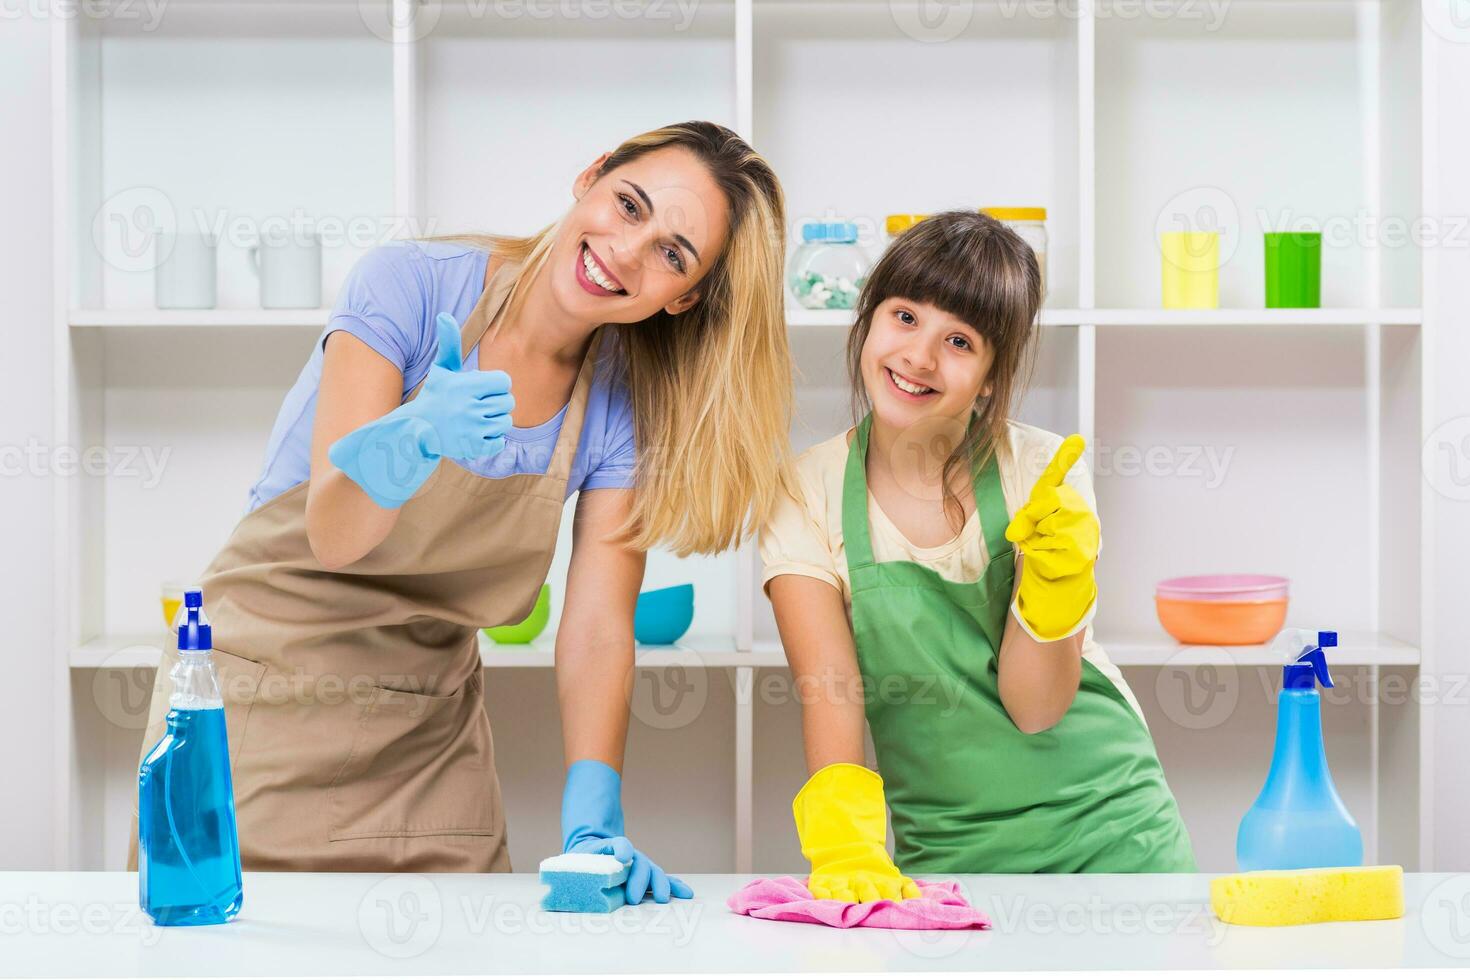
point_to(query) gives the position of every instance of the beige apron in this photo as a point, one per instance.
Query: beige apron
(358, 735)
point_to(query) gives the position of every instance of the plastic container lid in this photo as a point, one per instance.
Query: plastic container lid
(194, 630)
(1226, 588)
(829, 231)
(897, 224)
(1016, 214)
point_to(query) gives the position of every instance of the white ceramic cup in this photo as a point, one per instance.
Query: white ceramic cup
(185, 278)
(290, 271)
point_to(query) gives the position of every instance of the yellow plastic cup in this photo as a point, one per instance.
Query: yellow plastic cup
(171, 595)
(1191, 269)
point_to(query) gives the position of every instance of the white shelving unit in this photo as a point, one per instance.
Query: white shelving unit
(203, 319)
(429, 119)
(126, 651)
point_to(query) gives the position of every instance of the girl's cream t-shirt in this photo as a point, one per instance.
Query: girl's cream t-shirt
(804, 536)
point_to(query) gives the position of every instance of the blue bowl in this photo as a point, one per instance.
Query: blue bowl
(663, 615)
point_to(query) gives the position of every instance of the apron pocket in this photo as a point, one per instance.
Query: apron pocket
(239, 680)
(418, 766)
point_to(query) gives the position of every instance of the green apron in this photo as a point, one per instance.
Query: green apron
(970, 792)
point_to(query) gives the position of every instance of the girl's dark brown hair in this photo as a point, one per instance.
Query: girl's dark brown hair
(974, 268)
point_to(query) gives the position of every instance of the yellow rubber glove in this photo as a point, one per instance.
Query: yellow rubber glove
(842, 822)
(1058, 535)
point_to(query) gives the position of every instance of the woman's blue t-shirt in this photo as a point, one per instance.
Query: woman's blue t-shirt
(389, 302)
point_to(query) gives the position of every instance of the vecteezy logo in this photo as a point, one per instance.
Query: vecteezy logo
(401, 916)
(1201, 209)
(1198, 688)
(669, 697)
(134, 230)
(933, 944)
(1450, 19)
(1445, 916)
(1446, 459)
(932, 21)
(123, 690)
(403, 21)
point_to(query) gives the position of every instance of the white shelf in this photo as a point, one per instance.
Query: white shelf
(1246, 317)
(250, 318)
(796, 317)
(1169, 318)
(1354, 650)
(204, 319)
(125, 651)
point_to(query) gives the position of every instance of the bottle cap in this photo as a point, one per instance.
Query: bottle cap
(1310, 667)
(1015, 214)
(829, 231)
(194, 630)
(897, 224)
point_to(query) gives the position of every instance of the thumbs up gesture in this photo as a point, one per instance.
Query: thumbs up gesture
(1058, 535)
(459, 414)
(469, 411)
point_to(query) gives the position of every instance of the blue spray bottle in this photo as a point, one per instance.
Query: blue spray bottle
(188, 849)
(1299, 821)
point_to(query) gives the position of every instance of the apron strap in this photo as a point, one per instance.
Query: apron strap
(990, 503)
(571, 423)
(487, 308)
(492, 300)
(856, 538)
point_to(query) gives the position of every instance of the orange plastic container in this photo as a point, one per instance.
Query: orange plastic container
(1221, 623)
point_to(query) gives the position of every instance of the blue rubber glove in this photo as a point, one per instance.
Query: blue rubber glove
(459, 414)
(592, 823)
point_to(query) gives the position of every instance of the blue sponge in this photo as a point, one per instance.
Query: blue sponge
(583, 883)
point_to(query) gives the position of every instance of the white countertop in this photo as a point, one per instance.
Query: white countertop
(89, 924)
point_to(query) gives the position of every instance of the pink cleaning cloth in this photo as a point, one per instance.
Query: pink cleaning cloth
(786, 899)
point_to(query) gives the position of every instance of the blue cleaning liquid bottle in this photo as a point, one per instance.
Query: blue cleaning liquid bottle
(188, 849)
(1299, 821)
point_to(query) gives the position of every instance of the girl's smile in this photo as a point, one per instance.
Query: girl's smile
(908, 387)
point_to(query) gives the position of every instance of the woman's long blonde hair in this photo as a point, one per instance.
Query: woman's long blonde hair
(711, 388)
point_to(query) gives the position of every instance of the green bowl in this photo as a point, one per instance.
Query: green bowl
(529, 628)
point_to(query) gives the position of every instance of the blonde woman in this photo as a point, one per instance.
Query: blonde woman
(414, 485)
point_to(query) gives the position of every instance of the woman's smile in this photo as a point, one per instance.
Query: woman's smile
(593, 275)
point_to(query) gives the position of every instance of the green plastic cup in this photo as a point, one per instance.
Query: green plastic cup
(529, 628)
(1293, 269)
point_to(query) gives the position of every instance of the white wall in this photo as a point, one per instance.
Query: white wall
(31, 673)
(1447, 418)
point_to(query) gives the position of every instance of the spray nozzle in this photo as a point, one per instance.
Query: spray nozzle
(194, 630)
(1310, 667)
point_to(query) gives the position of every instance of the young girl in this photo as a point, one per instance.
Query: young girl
(935, 572)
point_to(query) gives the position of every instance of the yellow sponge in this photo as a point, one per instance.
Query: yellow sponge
(1290, 898)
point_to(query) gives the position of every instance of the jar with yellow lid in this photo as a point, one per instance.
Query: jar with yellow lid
(1030, 224)
(897, 224)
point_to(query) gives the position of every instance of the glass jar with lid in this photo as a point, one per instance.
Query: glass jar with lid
(1030, 224)
(829, 267)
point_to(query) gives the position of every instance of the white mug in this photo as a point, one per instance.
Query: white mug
(290, 271)
(185, 277)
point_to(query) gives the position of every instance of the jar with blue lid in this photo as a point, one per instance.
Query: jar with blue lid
(828, 269)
